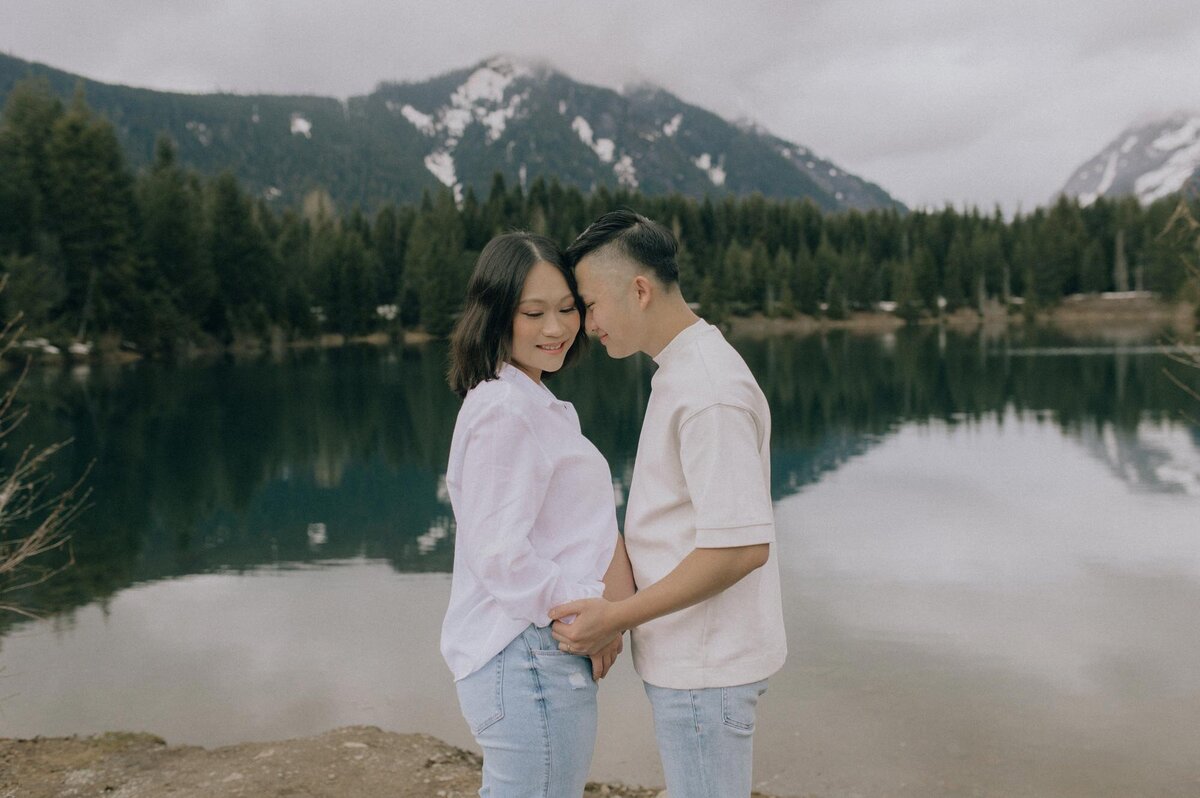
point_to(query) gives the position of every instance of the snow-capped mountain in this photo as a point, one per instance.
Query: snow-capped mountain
(1148, 161)
(521, 119)
(528, 119)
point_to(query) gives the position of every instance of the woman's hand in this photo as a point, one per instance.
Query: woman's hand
(603, 659)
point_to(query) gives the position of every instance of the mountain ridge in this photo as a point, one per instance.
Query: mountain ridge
(521, 117)
(1150, 159)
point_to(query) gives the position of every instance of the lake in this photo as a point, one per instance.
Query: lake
(990, 549)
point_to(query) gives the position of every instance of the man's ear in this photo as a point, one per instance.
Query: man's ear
(644, 289)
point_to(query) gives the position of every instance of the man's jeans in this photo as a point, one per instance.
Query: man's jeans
(532, 709)
(706, 738)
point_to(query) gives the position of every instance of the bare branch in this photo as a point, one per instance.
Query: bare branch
(23, 499)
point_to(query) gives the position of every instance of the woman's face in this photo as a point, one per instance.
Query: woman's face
(546, 322)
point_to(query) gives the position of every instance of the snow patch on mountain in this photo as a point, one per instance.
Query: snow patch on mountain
(603, 148)
(479, 98)
(484, 97)
(1149, 161)
(301, 126)
(441, 165)
(1106, 180)
(626, 172)
(1186, 134)
(422, 122)
(201, 131)
(672, 127)
(1171, 176)
(716, 172)
(497, 121)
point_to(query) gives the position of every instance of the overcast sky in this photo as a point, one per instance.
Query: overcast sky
(936, 100)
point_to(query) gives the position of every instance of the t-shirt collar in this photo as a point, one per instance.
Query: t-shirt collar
(515, 376)
(681, 339)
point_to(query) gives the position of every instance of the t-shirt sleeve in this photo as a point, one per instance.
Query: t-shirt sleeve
(719, 450)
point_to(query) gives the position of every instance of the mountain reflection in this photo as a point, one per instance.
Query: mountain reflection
(327, 455)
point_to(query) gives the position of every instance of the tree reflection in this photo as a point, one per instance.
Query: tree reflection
(334, 454)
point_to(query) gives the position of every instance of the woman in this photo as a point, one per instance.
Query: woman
(533, 502)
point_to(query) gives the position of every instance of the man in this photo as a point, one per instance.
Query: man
(706, 619)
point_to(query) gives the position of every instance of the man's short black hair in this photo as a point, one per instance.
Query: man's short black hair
(646, 242)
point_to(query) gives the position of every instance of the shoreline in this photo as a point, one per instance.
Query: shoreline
(1079, 315)
(363, 761)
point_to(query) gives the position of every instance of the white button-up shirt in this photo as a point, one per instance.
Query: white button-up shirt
(533, 502)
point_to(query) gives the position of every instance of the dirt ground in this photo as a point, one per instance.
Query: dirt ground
(358, 761)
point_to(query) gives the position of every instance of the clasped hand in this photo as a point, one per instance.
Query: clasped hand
(593, 632)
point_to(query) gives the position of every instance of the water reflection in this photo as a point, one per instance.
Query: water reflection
(1007, 615)
(339, 454)
(989, 549)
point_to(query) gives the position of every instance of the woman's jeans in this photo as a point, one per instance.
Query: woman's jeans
(706, 738)
(532, 709)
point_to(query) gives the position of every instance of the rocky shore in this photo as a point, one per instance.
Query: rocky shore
(358, 761)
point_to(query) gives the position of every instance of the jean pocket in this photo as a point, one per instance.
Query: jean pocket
(481, 695)
(739, 705)
(541, 643)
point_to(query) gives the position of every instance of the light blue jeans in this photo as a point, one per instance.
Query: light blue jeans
(532, 709)
(706, 738)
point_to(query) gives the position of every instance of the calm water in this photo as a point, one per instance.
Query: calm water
(990, 550)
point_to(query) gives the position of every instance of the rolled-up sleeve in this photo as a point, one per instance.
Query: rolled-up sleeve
(505, 478)
(719, 454)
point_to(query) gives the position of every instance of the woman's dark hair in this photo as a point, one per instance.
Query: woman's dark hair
(643, 240)
(482, 337)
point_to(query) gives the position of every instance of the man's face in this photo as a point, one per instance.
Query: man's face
(608, 292)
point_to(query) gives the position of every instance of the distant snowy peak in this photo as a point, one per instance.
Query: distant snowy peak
(1148, 161)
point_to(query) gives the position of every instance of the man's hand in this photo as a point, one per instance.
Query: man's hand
(594, 626)
(603, 660)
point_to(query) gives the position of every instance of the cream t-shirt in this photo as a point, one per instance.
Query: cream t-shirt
(702, 480)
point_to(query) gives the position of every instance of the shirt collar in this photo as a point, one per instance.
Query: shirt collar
(522, 381)
(681, 339)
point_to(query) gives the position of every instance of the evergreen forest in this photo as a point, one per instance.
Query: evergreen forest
(163, 259)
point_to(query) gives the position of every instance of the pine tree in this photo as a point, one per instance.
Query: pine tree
(904, 291)
(807, 283)
(781, 281)
(90, 208)
(925, 278)
(1093, 276)
(30, 113)
(1120, 263)
(248, 295)
(169, 205)
(954, 279)
(835, 299)
(435, 273)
